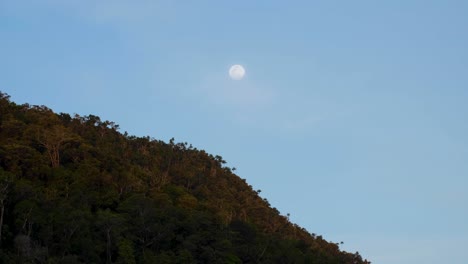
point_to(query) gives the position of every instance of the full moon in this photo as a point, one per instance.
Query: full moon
(237, 72)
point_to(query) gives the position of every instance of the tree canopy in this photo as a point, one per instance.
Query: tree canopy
(73, 189)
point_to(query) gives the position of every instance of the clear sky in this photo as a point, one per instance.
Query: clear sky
(352, 116)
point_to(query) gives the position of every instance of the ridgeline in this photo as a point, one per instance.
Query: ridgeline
(73, 189)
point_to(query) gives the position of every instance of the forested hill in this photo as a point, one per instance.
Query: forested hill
(75, 190)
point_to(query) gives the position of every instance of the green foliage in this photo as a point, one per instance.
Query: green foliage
(126, 252)
(75, 190)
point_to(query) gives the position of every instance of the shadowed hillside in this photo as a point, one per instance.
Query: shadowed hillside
(75, 190)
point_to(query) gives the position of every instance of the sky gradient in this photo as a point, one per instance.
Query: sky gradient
(352, 116)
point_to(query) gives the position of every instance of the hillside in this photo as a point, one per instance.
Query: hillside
(73, 189)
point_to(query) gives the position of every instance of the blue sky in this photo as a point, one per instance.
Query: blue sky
(352, 116)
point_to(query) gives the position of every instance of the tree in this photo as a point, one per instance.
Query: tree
(53, 140)
(5, 186)
(110, 223)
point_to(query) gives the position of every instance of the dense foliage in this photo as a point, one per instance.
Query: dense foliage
(75, 190)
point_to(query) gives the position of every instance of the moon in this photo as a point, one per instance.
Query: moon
(237, 72)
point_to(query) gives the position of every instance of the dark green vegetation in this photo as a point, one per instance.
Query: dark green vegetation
(75, 190)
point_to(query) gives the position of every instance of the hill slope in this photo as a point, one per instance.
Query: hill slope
(75, 190)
